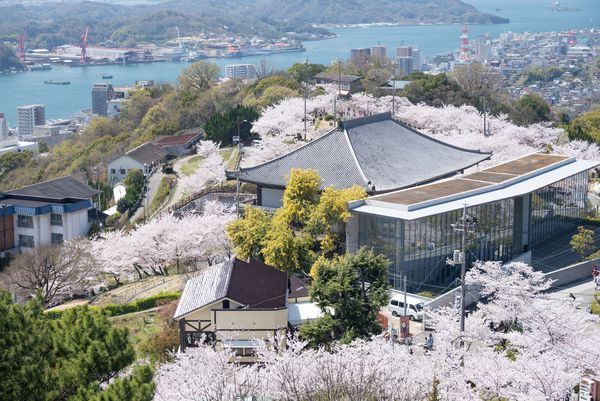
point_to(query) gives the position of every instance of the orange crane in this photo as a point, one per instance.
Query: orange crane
(21, 46)
(83, 45)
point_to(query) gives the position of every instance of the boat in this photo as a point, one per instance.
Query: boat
(105, 76)
(53, 82)
(232, 51)
(40, 67)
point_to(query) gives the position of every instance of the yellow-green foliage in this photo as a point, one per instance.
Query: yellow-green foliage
(163, 192)
(596, 304)
(300, 196)
(249, 233)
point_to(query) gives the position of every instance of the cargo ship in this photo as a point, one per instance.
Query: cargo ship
(53, 82)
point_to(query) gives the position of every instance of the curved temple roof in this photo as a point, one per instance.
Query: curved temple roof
(375, 149)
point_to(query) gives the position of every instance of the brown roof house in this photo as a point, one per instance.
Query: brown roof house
(236, 305)
(179, 145)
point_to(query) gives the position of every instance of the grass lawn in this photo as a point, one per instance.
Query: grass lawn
(191, 165)
(226, 153)
(140, 325)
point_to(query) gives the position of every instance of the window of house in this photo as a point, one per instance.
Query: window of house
(57, 238)
(113, 171)
(26, 241)
(56, 219)
(122, 171)
(225, 304)
(25, 221)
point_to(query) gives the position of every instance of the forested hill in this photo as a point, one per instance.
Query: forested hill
(373, 11)
(53, 24)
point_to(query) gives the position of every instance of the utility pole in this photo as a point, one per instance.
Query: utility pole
(485, 133)
(305, 94)
(464, 225)
(405, 306)
(394, 91)
(237, 174)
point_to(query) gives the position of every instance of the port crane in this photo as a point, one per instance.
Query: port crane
(83, 45)
(21, 46)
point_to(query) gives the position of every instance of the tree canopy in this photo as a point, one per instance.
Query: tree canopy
(74, 357)
(221, 127)
(199, 76)
(349, 290)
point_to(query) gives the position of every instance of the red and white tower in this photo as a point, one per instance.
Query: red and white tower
(465, 52)
(21, 46)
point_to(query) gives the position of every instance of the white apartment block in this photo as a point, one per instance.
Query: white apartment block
(30, 116)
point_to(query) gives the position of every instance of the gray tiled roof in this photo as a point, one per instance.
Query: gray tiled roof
(377, 149)
(147, 153)
(58, 188)
(332, 76)
(392, 155)
(210, 286)
(330, 155)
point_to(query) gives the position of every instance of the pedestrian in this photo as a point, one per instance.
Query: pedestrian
(572, 296)
(594, 272)
(597, 282)
(429, 342)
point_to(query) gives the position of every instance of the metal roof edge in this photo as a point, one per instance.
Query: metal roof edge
(358, 166)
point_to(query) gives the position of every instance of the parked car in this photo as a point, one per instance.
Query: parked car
(257, 143)
(414, 308)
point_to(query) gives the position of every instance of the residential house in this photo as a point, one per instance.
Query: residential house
(236, 305)
(348, 84)
(179, 145)
(49, 212)
(145, 158)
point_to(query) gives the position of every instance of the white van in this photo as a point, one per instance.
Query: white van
(414, 307)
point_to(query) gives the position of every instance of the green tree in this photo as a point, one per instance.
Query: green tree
(8, 58)
(530, 109)
(77, 353)
(249, 233)
(302, 72)
(586, 127)
(199, 76)
(221, 127)
(286, 248)
(349, 290)
(583, 242)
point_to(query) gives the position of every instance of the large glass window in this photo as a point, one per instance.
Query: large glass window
(558, 208)
(419, 249)
(25, 221)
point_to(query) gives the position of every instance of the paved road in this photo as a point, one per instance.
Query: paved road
(583, 291)
(177, 192)
(153, 185)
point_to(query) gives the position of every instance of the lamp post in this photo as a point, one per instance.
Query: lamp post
(237, 173)
(394, 91)
(305, 94)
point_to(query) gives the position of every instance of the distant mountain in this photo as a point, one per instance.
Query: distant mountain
(52, 24)
(372, 11)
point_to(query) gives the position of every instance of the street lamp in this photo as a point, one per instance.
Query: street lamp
(237, 173)
(466, 225)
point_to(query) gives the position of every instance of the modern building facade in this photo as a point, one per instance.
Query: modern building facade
(376, 152)
(101, 94)
(517, 207)
(30, 116)
(241, 71)
(408, 59)
(3, 127)
(50, 212)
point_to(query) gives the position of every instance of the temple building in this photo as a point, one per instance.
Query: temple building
(376, 152)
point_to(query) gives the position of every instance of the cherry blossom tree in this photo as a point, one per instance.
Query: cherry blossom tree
(519, 344)
(211, 170)
(151, 248)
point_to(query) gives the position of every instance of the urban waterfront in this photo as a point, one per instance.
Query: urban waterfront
(62, 101)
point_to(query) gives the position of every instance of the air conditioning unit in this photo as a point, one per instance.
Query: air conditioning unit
(430, 246)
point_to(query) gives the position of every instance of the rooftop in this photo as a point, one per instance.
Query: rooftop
(249, 283)
(374, 152)
(332, 76)
(513, 178)
(147, 153)
(58, 188)
(177, 140)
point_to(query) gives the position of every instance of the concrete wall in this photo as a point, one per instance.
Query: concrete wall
(249, 324)
(75, 225)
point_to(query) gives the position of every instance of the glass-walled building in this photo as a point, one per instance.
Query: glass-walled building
(517, 206)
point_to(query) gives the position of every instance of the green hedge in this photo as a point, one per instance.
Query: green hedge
(131, 307)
